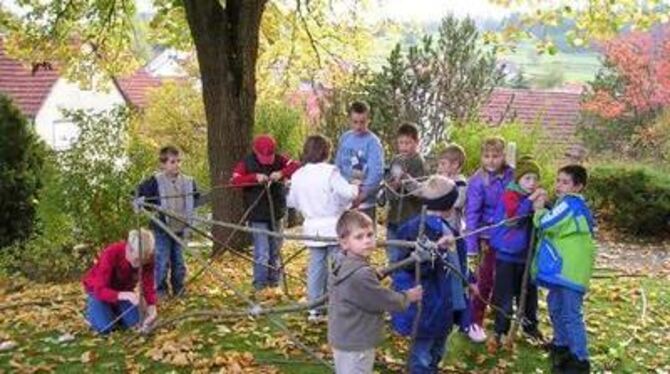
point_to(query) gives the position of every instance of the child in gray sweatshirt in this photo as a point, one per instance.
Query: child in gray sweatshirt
(357, 299)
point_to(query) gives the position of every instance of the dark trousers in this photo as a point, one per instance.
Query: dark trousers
(507, 292)
(485, 282)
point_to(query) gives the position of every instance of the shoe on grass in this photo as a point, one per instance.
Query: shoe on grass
(476, 333)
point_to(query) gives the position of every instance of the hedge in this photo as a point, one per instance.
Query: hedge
(632, 198)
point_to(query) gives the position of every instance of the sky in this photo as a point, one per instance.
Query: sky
(417, 10)
(434, 10)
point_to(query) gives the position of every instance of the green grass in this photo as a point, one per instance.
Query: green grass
(619, 339)
(576, 67)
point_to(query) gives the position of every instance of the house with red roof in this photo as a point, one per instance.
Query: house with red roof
(556, 111)
(42, 95)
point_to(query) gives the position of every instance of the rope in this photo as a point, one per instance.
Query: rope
(399, 243)
(317, 238)
(224, 245)
(256, 309)
(118, 318)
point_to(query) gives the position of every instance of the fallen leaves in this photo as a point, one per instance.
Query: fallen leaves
(241, 345)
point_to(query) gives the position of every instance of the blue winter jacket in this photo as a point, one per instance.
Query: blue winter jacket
(511, 240)
(437, 315)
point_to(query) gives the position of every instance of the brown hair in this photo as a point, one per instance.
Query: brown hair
(350, 221)
(167, 151)
(316, 149)
(577, 173)
(409, 130)
(495, 144)
(359, 107)
(454, 153)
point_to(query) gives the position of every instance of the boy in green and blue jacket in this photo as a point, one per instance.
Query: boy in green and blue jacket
(563, 264)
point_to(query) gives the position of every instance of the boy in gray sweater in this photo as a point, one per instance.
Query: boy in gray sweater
(357, 299)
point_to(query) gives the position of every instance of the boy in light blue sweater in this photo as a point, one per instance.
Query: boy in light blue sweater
(360, 156)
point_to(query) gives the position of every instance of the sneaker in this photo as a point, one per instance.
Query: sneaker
(558, 355)
(535, 334)
(573, 365)
(476, 333)
(314, 316)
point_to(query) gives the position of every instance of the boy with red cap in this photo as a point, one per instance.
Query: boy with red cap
(264, 166)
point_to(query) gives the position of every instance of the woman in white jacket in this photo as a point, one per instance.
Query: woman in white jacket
(320, 193)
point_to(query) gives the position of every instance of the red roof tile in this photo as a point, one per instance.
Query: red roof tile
(136, 87)
(556, 111)
(26, 88)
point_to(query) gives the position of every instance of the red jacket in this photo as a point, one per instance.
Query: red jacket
(242, 177)
(112, 274)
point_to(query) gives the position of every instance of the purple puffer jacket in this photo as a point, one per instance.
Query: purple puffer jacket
(485, 190)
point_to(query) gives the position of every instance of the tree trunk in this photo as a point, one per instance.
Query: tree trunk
(225, 34)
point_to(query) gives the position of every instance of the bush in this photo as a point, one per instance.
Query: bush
(21, 159)
(85, 201)
(100, 173)
(175, 115)
(634, 199)
(48, 254)
(527, 139)
(285, 124)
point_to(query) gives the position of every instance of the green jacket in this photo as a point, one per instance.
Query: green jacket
(566, 250)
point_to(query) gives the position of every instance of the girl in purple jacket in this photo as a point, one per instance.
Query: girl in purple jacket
(485, 188)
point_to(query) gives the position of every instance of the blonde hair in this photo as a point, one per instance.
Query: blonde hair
(144, 238)
(495, 144)
(350, 221)
(435, 187)
(454, 153)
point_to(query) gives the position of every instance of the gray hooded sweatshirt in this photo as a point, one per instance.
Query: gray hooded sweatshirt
(357, 304)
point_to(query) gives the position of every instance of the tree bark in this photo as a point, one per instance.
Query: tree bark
(225, 34)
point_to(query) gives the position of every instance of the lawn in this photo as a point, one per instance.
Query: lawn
(628, 325)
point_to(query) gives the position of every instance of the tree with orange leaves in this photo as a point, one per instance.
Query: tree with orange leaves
(631, 89)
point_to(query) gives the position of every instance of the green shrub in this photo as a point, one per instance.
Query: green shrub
(100, 173)
(284, 123)
(633, 199)
(527, 139)
(49, 253)
(85, 199)
(21, 158)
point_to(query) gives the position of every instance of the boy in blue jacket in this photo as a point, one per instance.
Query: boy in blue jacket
(511, 242)
(443, 291)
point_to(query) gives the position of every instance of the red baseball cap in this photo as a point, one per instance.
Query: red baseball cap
(264, 149)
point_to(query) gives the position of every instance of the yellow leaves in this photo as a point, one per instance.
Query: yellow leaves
(177, 352)
(88, 357)
(280, 343)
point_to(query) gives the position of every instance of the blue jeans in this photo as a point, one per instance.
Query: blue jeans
(169, 256)
(101, 314)
(266, 257)
(317, 271)
(425, 355)
(393, 254)
(567, 319)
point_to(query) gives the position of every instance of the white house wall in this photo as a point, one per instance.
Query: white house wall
(51, 124)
